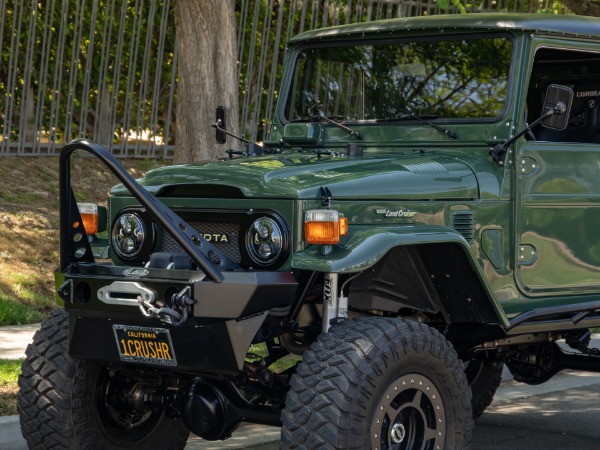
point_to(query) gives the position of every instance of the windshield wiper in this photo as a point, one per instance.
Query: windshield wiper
(330, 120)
(446, 131)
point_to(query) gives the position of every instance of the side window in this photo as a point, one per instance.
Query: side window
(580, 71)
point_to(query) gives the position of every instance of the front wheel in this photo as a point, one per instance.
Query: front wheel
(69, 403)
(382, 384)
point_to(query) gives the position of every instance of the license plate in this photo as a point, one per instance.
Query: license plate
(145, 345)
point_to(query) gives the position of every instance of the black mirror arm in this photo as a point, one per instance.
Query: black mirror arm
(252, 149)
(499, 150)
(218, 127)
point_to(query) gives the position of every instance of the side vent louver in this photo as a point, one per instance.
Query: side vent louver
(464, 223)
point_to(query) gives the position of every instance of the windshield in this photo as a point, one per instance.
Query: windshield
(460, 78)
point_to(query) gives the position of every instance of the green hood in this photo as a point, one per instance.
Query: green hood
(300, 177)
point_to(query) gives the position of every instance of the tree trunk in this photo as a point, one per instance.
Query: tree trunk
(207, 76)
(583, 7)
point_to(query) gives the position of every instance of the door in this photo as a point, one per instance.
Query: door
(558, 218)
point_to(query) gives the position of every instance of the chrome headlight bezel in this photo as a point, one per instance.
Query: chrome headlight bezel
(134, 226)
(267, 240)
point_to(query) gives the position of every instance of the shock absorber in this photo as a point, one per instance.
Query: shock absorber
(335, 304)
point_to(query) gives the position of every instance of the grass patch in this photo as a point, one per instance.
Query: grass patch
(9, 374)
(17, 313)
(19, 197)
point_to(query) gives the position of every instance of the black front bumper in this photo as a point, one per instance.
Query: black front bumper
(224, 318)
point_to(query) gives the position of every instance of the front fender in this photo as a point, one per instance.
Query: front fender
(366, 246)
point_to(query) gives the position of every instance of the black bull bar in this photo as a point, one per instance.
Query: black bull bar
(229, 304)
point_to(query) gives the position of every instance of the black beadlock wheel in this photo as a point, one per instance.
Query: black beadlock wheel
(484, 378)
(66, 403)
(379, 383)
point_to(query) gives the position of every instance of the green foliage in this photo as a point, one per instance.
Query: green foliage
(68, 66)
(445, 5)
(518, 6)
(258, 351)
(66, 60)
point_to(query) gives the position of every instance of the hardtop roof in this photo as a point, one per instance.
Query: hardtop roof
(581, 26)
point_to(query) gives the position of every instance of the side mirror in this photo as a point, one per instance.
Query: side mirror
(557, 105)
(220, 135)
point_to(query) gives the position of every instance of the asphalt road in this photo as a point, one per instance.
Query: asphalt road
(561, 414)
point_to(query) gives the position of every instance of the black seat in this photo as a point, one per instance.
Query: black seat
(584, 117)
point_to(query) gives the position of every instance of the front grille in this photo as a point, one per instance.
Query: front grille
(223, 235)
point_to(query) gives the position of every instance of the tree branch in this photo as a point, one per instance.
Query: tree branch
(459, 5)
(583, 7)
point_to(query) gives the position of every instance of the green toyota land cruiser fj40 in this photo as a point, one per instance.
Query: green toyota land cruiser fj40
(424, 212)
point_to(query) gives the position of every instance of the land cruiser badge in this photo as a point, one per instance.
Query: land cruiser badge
(399, 213)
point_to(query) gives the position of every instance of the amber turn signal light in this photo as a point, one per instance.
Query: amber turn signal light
(324, 226)
(89, 217)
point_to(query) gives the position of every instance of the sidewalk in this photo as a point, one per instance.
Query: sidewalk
(14, 340)
(245, 437)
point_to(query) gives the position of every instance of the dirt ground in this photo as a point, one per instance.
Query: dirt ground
(29, 218)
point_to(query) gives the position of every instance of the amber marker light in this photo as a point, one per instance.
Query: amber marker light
(89, 217)
(324, 226)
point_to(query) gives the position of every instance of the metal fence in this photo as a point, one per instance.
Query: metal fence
(106, 69)
(103, 70)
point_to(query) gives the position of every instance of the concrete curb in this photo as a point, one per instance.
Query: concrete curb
(247, 435)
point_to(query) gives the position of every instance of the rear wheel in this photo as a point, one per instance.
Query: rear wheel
(69, 403)
(484, 377)
(382, 384)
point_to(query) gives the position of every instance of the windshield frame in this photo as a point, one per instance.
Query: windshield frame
(399, 39)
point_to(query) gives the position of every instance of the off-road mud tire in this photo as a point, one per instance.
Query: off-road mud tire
(377, 369)
(56, 402)
(484, 378)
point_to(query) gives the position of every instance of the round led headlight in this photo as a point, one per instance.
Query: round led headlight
(128, 235)
(265, 241)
